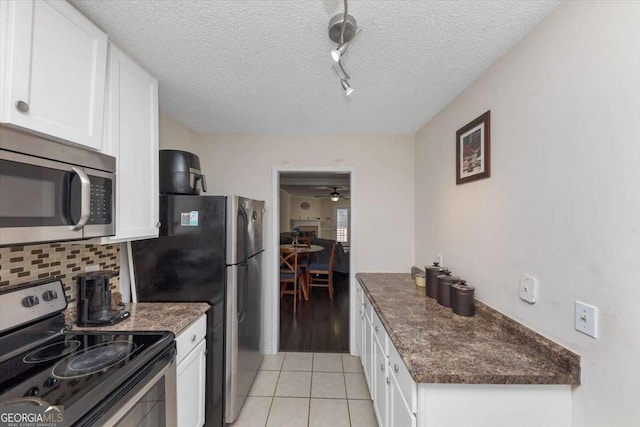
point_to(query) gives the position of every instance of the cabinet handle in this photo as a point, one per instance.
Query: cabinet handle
(377, 328)
(22, 106)
(193, 338)
(158, 224)
(382, 367)
(395, 368)
(388, 381)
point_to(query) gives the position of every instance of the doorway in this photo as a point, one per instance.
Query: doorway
(315, 208)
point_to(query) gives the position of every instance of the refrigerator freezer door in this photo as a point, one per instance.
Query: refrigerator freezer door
(254, 210)
(244, 238)
(186, 263)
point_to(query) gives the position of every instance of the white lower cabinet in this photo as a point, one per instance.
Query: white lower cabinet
(380, 399)
(367, 352)
(399, 413)
(191, 374)
(399, 402)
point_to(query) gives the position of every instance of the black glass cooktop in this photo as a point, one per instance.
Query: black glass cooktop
(78, 368)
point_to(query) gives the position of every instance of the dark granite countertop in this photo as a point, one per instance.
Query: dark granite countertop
(439, 346)
(151, 316)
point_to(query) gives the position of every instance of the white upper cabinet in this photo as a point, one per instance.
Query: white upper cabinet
(132, 138)
(53, 64)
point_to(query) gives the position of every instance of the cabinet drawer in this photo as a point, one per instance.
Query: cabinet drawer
(190, 337)
(402, 376)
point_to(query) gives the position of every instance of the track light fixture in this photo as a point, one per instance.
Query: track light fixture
(343, 30)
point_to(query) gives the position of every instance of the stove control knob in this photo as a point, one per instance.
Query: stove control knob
(30, 301)
(50, 382)
(33, 391)
(49, 295)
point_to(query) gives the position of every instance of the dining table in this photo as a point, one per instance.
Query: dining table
(302, 249)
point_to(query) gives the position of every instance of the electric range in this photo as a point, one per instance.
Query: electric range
(95, 376)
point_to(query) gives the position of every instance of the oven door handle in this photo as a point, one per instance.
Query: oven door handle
(85, 198)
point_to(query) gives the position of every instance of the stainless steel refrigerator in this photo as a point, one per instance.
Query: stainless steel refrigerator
(210, 250)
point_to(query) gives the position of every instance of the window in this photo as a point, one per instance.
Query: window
(342, 225)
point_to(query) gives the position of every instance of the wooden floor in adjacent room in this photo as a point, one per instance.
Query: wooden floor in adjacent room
(320, 325)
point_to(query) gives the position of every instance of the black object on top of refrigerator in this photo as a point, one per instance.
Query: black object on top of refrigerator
(210, 250)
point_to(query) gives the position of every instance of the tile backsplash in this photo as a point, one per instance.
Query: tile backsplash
(20, 264)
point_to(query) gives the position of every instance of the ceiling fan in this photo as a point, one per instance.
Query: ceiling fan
(334, 196)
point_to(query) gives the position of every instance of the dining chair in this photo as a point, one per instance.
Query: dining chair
(320, 275)
(291, 273)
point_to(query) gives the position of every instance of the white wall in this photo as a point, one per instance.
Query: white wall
(563, 200)
(312, 213)
(243, 164)
(173, 135)
(285, 211)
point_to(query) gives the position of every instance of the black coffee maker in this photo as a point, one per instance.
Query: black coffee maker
(94, 300)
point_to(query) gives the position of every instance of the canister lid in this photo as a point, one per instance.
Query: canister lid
(463, 288)
(449, 279)
(434, 267)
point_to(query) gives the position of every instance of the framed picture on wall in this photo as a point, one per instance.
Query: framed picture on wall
(473, 150)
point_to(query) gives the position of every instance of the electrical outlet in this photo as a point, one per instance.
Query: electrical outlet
(528, 288)
(439, 259)
(587, 319)
(92, 267)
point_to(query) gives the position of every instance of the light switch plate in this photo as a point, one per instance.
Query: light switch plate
(528, 288)
(587, 319)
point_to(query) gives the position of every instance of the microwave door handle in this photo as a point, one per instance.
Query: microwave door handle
(85, 198)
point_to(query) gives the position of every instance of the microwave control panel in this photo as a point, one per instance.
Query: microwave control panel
(101, 200)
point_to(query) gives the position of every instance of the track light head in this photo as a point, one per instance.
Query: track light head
(337, 53)
(348, 90)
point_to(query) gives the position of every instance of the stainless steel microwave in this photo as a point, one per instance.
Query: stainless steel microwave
(51, 191)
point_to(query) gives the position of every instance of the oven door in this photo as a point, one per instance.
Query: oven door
(148, 399)
(44, 200)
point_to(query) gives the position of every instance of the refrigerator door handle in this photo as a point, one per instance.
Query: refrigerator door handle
(244, 288)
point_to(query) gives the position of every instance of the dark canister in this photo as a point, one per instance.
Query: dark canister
(462, 299)
(431, 276)
(444, 288)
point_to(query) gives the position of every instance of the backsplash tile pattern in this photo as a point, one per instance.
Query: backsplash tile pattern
(20, 264)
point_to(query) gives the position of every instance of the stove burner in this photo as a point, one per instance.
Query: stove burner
(51, 351)
(93, 359)
(24, 401)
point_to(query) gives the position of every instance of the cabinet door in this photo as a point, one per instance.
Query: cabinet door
(54, 64)
(381, 383)
(359, 317)
(368, 355)
(399, 413)
(132, 137)
(191, 387)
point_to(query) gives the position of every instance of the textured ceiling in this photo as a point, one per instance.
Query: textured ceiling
(264, 66)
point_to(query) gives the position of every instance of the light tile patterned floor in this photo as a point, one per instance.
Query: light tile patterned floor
(308, 390)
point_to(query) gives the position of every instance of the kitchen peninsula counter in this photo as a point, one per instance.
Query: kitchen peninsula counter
(438, 346)
(150, 316)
